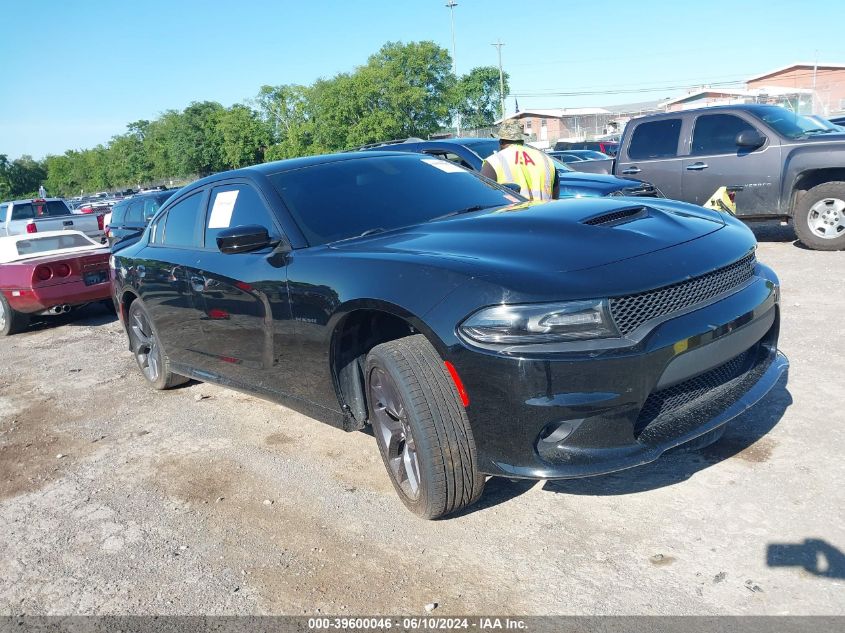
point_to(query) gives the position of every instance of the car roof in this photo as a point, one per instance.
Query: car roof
(747, 107)
(28, 200)
(290, 164)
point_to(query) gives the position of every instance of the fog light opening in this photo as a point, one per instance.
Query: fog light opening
(556, 432)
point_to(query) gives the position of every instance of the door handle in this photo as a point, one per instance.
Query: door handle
(697, 166)
(632, 170)
(198, 284)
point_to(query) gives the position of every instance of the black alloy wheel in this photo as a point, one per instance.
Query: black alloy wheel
(147, 349)
(421, 428)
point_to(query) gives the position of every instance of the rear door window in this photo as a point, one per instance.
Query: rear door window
(118, 212)
(151, 207)
(236, 205)
(134, 212)
(180, 227)
(655, 139)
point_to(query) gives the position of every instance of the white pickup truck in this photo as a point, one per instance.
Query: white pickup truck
(38, 215)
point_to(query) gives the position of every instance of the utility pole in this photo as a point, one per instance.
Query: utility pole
(815, 70)
(451, 4)
(498, 44)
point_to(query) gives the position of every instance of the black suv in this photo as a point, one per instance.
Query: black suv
(130, 216)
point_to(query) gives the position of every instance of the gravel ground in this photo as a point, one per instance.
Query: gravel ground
(115, 499)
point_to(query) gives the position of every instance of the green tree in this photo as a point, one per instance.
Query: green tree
(5, 187)
(244, 137)
(22, 176)
(478, 96)
(286, 110)
(403, 90)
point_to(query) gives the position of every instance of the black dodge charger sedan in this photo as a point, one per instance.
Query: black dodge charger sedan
(478, 334)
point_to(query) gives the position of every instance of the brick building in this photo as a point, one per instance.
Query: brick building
(827, 81)
(544, 127)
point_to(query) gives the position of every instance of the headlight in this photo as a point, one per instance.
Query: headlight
(541, 323)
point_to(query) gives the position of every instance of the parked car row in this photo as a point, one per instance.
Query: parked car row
(471, 152)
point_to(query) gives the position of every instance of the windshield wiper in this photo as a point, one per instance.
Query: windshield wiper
(475, 207)
(815, 130)
(378, 229)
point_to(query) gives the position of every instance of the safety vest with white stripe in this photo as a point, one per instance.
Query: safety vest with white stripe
(528, 167)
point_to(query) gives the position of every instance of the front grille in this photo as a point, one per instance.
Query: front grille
(632, 311)
(711, 383)
(615, 216)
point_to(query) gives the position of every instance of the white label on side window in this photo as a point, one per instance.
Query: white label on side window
(444, 165)
(221, 212)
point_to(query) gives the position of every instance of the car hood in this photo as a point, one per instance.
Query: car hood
(550, 237)
(602, 183)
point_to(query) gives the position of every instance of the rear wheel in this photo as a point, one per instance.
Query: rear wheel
(421, 428)
(11, 321)
(147, 349)
(820, 217)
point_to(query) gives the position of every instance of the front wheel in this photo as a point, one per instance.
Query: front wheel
(147, 349)
(819, 217)
(11, 321)
(421, 428)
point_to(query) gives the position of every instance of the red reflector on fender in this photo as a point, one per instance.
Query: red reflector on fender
(462, 392)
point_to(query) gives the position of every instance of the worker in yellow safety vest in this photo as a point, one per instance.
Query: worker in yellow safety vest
(522, 164)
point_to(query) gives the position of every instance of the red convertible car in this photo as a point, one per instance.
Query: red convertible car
(49, 273)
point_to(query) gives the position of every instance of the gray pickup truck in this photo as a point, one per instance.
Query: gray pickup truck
(20, 217)
(769, 162)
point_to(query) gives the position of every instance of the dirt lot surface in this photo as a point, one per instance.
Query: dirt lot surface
(116, 499)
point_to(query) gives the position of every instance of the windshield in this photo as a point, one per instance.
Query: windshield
(824, 123)
(52, 243)
(560, 166)
(347, 198)
(788, 123)
(591, 155)
(484, 148)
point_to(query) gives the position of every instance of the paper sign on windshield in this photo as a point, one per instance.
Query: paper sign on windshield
(221, 212)
(444, 165)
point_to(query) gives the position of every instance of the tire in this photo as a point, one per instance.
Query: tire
(421, 428)
(147, 349)
(11, 321)
(819, 217)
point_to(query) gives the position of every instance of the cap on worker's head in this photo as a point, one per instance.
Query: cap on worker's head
(511, 130)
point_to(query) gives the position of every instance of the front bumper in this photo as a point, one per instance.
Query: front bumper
(601, 410)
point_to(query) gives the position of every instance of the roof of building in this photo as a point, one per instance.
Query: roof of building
(808, 66)
(555, 113)
(772, 91)
(639, 106)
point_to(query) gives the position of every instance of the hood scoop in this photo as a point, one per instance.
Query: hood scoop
(617, 217)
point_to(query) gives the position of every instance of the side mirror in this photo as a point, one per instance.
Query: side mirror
(512, 186)
(750, 139)
(243, 239)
